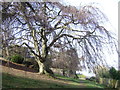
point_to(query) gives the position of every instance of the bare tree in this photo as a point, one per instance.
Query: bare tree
(43, 25)
(67, 60)
(6, 32)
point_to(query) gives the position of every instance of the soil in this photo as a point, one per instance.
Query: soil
(23, 71)
(10, 64)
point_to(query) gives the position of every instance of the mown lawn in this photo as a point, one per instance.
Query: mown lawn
(87, 83)
(9, 81)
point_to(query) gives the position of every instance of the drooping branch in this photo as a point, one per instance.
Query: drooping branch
(62, 35)
(46, 24)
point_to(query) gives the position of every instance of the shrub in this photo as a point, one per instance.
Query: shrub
(118, 75)
(17, 59)
(87, 78)
(106, 74)
(113, 73)
(92, 79)
(103, 73)
(27, 63)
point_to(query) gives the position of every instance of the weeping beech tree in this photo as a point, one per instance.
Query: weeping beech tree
(42, 26)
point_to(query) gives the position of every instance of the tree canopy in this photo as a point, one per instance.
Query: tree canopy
(43, 26)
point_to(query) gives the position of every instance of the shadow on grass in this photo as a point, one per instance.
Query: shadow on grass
(10, 81)
(70, 79)
(90, 84)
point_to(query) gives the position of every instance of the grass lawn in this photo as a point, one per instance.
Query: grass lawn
(87, 83)
(9, 81)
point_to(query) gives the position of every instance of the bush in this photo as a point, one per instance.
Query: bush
(92, 79)
(87, 78)
(103, 73)
(118, 75)
(17, 59)
(113, 73)
(106, 74)
(27, 63)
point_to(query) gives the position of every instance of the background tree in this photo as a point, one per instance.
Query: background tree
(102, 72)
(67, 60)
(43, 25)
(114, 74)
(6, 29)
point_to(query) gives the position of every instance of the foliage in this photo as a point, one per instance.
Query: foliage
(118, 75)
(106, 74)
(111, 73)
(17, 59)
(92, 79)
(27, 63)
(103, 73)
(114, 73)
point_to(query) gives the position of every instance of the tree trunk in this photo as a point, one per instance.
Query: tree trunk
(41, 67)
(72, 73)
(7, 51)
(44, 68)
(63, 72)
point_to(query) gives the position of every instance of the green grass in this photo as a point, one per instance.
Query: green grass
(87, 83)
(81, 76)
(9, 81)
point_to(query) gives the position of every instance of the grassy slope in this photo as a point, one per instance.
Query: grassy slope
(9, 81)
(88, 84)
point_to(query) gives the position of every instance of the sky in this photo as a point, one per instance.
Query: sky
(110, 9)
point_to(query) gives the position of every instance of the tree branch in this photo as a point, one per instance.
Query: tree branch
(32, 50)
(62, 35)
